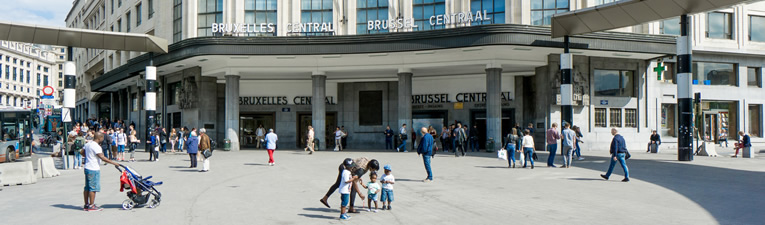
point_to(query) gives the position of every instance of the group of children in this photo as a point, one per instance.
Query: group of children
(384, 188)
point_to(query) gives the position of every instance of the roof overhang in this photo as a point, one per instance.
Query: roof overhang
(81, 38)
(262, 53)
(628, 13)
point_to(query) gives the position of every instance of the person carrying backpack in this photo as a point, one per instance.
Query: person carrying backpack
(77, 145)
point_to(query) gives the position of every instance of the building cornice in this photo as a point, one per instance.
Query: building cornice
(474, 36)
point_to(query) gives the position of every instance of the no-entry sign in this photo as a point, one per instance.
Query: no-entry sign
(48, 90)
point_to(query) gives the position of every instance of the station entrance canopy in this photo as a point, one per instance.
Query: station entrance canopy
(81, 38)
(628, 13)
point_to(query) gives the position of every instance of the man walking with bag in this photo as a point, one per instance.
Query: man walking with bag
(618, 153)
(205, 147)
(426, 150)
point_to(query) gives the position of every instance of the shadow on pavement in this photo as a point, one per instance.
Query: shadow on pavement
(492, 167)
(72, 207)
(322, 210)
(724, 193)
(255, 164)
(189, 170)
(318, 216)
(111, 206)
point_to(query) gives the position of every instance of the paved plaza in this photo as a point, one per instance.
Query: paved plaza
(241, 189)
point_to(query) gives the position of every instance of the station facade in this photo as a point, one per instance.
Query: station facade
(238, 64)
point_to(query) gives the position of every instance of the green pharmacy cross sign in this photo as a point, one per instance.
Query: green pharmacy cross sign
(659, 69)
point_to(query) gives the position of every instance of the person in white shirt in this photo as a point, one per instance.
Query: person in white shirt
(387, 181)
(121, 143)
(93, 155)
(338, 139)
(528, 148)
(260, 134)
(271, 139)
(345, 188)
(309, 140)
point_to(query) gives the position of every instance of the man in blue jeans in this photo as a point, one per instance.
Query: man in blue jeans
(403, 136)
(426, 150)
(552, 143)
(618, 153)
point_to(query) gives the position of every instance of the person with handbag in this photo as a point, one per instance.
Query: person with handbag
(192, 147)
(205, 147)
(403, 136)
(619, 153)
(528, 148)
(511, 139)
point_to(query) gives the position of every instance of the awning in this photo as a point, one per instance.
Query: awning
(81, 38)
(628, 13)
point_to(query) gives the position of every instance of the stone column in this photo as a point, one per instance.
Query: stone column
(232, 111)
(494, 104)
(319, 108)
(405, 101)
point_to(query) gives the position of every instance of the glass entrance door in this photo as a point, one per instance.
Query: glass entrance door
(305, 119)
(248, 125)
(478, 118)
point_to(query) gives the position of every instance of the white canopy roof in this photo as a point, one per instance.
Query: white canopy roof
(628, 13)
(81, 38)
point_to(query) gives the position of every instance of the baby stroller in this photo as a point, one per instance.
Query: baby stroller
(139, 189)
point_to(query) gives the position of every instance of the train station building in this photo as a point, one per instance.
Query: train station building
(236, 64)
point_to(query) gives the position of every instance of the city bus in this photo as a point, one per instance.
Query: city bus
(15, 131)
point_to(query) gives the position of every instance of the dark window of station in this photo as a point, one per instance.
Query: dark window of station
(542, 10)
(261, 12)
(210, 11)
(177, 20)
(175, 93)
(756, 33)
(424, 9)
(615, 83)
(315, 11)
(705, 73)
(720, 25)
(670, 26)
(495, 9)
(754, 78)
(370, 108)
(371, 10)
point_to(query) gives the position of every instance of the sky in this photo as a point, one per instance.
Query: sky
(38, 12)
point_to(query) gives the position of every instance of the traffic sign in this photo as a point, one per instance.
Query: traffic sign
(48, 90)
(65, 115)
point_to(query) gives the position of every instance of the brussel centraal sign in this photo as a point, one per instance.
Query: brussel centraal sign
(398, 23)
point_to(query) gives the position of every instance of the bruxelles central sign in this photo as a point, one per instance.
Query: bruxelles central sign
(399, 23)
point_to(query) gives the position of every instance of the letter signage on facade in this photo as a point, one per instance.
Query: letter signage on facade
(281, 100)
(445, 19)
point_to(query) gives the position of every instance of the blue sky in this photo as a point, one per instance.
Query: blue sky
(40, 12)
